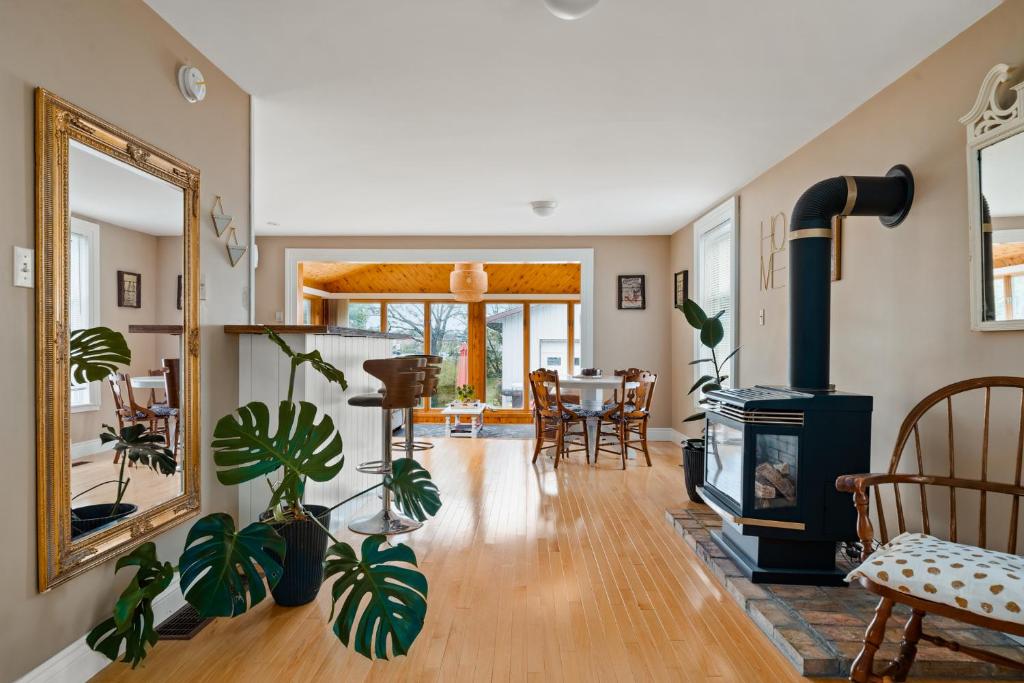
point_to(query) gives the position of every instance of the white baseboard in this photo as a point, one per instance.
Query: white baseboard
(85, 448)
(77, 663)
(664, 434)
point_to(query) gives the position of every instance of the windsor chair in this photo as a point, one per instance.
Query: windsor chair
(932, 575)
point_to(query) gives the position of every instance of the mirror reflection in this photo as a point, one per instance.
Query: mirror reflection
(1002, 234)
(126, 258)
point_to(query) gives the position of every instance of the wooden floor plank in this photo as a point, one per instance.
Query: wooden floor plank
(535, 575)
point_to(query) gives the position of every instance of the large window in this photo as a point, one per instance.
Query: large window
(364, 315)
(549, 338)
(406, 318)
(84, 298)
(503, 363)
(449, 327)
(715, 249)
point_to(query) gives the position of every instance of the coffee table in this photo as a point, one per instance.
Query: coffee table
(457, 428)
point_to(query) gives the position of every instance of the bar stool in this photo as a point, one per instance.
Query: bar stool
(403, 385)
(433, 373)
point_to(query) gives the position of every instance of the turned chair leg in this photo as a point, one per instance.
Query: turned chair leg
(899, 669)
(862, 670)
(559, 442)
(643, 442)
(538, 444)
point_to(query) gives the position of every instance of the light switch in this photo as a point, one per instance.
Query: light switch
(279, 316)
(761, 316)
(24, 267)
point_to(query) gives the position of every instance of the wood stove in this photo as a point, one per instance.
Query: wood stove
(772, 454)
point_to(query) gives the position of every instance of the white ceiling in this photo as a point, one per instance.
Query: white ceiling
(450, 116)
(107, 190)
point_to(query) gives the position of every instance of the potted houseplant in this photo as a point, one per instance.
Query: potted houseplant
(711, 335)
(379, 594)
(136, 445)
(464, 393)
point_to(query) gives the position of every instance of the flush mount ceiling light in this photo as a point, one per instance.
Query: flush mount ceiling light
(468, 282)
(570, 10)
(544, 208)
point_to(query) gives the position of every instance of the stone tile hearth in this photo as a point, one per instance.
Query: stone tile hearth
(819, 629)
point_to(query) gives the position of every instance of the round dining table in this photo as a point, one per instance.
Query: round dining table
(148, 382)
(592, 397)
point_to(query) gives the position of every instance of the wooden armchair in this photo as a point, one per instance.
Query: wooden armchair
(555, 419)
(932, 575)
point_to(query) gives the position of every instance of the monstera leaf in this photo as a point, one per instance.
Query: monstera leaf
(96, 352)
(132, 622)
(415, 493)
(394, 597)
(329, 372)
(245, 447)
(220, 566)
(141, 447)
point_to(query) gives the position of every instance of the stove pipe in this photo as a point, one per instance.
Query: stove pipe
(810, 260)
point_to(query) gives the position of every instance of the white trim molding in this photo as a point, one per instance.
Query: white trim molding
(664, 434)
(77, 663)
(83, 449)
(585, 257)
(727, 211)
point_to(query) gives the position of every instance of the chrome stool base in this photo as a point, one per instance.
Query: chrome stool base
(387, 522)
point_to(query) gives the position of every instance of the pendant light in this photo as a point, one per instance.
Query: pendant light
(468, 282)
(570, 10)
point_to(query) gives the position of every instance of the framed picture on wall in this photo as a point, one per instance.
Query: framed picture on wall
(632, 293)
(682, 287)
(129, 289)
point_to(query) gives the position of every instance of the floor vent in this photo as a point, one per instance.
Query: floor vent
(182, 625)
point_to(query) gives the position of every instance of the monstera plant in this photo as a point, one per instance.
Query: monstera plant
(379, 594)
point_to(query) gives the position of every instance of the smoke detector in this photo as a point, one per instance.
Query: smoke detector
(570, 10)
(544, 208)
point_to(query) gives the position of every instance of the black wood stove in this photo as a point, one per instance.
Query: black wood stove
(772, 454)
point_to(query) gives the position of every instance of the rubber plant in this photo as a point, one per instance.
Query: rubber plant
(711, 335)
(224, 571)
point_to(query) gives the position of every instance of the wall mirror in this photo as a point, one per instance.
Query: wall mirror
(117, 397)
(995, 171)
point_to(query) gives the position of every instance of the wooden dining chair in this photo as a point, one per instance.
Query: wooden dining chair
(169, 409)
(555, 420)
(611, 422)
(128, 411)
(629, 399)
(636, 412)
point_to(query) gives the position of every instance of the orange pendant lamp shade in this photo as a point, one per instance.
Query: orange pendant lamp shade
(468, 282)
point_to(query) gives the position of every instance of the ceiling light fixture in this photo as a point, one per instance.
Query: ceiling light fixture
(468, 282)
(570, 10)
(544, 208)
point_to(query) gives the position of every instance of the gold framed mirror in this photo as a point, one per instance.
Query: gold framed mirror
(117, 277)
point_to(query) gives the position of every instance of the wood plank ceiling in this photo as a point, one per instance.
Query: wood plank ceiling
(432, 278)
(1009, 254)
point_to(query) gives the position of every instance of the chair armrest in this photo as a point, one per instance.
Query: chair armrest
(858, 484)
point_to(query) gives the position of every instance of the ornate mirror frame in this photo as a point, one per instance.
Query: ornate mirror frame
(60, 558)
(988, 122)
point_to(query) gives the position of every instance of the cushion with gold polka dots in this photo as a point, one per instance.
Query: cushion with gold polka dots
(982, 581)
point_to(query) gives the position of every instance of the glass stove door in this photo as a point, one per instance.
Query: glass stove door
(723, 461)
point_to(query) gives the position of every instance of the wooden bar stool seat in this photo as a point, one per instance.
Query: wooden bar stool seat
(432, 374)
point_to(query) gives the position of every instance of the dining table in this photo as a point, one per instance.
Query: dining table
(148, 382)
(594, 391)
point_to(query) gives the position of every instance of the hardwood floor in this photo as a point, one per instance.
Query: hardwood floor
(534, 575)
(146, 488)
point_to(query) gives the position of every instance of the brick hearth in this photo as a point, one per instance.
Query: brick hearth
(819, 629)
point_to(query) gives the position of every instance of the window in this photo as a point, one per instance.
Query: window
(449, 339)
(406, 319)
(504, 355)
(364, 316)
(716, 248)
(84, 299)
(549, 337)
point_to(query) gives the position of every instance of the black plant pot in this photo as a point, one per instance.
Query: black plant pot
(303, 559)
(92, 517)
(693, 468)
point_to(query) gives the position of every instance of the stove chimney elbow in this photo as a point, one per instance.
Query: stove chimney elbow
(810, 259)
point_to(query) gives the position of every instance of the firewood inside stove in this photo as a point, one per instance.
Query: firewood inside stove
(769, 475)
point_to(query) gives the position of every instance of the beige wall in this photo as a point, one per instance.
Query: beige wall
(118, 59)
(621, 338)
(900, 317)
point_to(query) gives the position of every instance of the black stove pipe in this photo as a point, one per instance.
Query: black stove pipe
(810, 260)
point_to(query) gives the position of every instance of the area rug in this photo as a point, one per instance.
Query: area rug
(497, 431)
(819, 629)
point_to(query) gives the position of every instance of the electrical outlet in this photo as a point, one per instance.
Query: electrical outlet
(24, 267)
(761, 317)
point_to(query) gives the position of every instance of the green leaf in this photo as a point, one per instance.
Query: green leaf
(329, 372)
(96, 353)
(219, 565)
(415, 493)
(698, 383)
(731, 354)
(710, 386)
(694, 417)
(141, 447)
(695, 315)
(132, 622)
(245, 448)
(394, 597)
(700, 360)
(711, 332)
